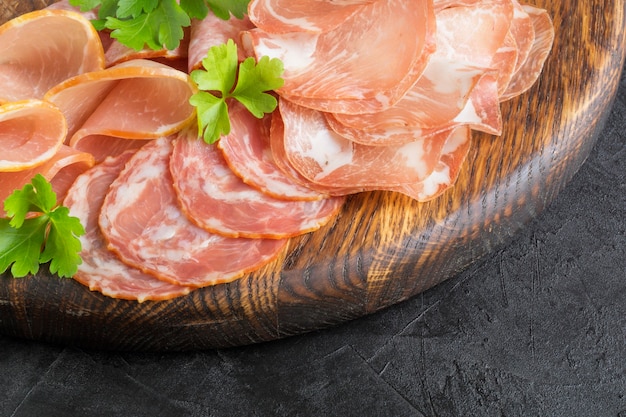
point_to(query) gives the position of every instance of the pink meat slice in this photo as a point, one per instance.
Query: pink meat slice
(341, 70)
(324, 157)
(447, 170)
(136, 100)
(280, 157)
(101, 270)
(217, 200)
(143, 223)
(43, 48)
(31, 132)
(529, 71)
(247, 151)
(60, 170)
(468, 38)
(281, 16)
(481, 112)
(213, 31)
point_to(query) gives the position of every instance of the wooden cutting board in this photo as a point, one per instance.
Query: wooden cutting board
(383, 248)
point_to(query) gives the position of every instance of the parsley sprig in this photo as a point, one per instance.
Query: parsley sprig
(156, 23)
(224, 78)
(52, 235)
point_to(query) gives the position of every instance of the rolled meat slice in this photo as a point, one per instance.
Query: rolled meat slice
(219, 201)
(137, 99)
(60, 170)
(43, 48)
(101, 270)
(248, 152)
(358, 67)
(142, 222)
(31, 132)
(282, 16)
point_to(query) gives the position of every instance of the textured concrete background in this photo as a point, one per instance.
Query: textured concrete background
(536, 329)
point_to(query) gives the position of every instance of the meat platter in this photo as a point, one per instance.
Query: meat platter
(383, 247)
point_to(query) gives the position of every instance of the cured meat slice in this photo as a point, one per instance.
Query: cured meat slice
(43, 48)
(340, 71)
(31, 132)
(217, 200)
(60, 171)
(447, 170)
(280, 158)
(142, 222)
(442, 92)
(281, 16)
(101, 270)
(213, 31)
(481, 112)
(529, 71)
(248, 152)
(138, 99)
(324, 157)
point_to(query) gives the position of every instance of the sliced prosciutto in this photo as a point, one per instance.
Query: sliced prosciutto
(528, 72)
(324, 157)
(364, 65)
(109, 110)
(101, 270)
(468, 39)
(217, 200)
(213, 31)
(281, 16)
(446, 171)
(43, 48)
(248, 152)
(31, 132)
(142, 222)
(60, 170)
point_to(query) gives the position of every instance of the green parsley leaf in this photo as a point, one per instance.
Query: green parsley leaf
(224, 8)
(248, 83)
(196, 9)
(161, 26)
(156, 23)
(50, 235)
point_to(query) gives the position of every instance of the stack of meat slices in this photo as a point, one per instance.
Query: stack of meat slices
(378, 95)
(172, 216)
(382, 95)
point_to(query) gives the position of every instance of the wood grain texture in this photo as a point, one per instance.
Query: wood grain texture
(383, 248)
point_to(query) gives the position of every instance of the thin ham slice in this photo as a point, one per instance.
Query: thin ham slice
(31, 132)
(142, 222)
(360, 66)
(529, 71)
(60, 170)
(446, 171)
(213, 31)
(248, 152)
(101, 270)
(43, 48)
(282, 16)
(468, 40)
(217, 200)
(137, 99)
(324, 157)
